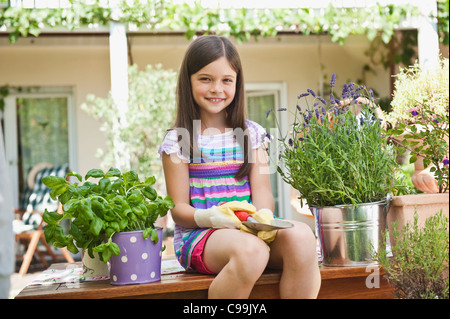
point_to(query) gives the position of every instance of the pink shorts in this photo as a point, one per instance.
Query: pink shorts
(197, 255)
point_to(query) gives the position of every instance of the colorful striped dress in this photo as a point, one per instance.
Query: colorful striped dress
(211, 178)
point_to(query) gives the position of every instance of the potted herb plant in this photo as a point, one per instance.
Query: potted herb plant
(420, 98)
(114, 218)
(418, 266)
(420, 125)
(336, 155)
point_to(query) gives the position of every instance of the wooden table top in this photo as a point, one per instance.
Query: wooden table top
(170, 285)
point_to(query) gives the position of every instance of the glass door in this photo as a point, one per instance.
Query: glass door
(37, 132)
(258, 103)
(43, 135)
(260, 98)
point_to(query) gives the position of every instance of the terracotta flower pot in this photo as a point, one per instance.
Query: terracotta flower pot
(403, 207)
(423, 179)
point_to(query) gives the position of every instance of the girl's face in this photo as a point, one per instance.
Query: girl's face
(214, 87)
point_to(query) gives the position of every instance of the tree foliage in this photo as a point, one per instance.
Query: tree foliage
(150, 112)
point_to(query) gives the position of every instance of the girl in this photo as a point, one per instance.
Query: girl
(206, 163)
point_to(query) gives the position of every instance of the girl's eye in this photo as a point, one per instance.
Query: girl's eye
(204, 79)
(228, 80)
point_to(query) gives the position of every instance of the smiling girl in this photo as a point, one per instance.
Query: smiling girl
(206, 163)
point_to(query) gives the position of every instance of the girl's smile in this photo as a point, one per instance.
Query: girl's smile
(215, 100)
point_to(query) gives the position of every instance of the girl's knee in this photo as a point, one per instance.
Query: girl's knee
(300, 234)
(298, 241)
(252, 250)
(250, 258)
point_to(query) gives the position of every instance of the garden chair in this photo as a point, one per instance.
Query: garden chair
(28, 226)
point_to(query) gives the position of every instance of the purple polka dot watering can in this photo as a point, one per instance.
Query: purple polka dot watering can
(139, 260)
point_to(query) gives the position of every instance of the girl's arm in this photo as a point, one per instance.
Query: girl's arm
(260, 180)
(177, 184)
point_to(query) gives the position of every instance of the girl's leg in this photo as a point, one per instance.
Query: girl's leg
(238, 258)
(294, 251)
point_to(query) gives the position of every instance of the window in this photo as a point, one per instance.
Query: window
(38, 129)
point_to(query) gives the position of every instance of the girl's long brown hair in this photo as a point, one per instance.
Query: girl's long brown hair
(201, 52)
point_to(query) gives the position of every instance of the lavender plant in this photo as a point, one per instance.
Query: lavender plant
(336, 152)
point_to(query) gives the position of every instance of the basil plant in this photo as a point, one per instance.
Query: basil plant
(97, 210)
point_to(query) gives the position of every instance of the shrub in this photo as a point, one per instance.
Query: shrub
(418, 268)
(150, 112)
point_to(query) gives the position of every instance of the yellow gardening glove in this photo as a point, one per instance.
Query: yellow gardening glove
(239, 206)
(222, 216)
(264, 216)
(229, 208)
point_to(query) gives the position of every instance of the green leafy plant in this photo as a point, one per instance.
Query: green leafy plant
(116, 203)
(418, 267)
(419, 117)
(443, 20)
(426, 138)
(334, 156)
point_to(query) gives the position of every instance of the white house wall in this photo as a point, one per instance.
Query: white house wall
(82, 62)
(52, 61)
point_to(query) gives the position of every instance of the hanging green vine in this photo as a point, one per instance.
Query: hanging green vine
(242, 23)
(4, 92)
(375, 22)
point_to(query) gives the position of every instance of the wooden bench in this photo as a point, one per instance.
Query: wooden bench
(337, 283)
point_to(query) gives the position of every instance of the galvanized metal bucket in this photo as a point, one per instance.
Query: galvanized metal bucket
(348, 235)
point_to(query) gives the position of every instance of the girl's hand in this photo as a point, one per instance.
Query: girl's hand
(213, 218)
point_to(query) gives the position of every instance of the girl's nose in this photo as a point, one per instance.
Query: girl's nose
(216, 87)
